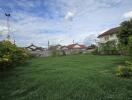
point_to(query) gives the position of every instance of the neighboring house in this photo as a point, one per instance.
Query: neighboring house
(64, 48)
(32, 47)
(110, 35)
(60, 50)
(55, 47)
(73, 49)
(67, 50)
(77, 46)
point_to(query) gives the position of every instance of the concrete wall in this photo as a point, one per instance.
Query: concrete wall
(41, 53)
(60, 52)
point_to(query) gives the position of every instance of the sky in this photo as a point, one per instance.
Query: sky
(61, 21)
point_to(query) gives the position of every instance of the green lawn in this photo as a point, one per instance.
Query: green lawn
(76, 77)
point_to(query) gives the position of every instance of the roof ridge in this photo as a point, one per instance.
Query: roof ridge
(110, 31)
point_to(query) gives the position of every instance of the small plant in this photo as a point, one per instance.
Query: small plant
(125, 71)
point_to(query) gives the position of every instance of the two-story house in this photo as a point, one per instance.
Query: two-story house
(110, 35)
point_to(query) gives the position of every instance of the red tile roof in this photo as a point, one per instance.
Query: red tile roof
(72, 46)
(111, 31)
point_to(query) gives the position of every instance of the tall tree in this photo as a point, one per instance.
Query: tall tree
(125, 31)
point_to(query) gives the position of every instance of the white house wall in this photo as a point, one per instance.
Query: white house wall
(110, 38)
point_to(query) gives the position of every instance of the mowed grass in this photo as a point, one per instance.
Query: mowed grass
(75, 77)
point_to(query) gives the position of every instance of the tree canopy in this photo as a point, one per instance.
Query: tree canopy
(125, 31)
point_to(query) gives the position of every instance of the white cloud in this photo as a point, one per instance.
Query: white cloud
(91, 38)
(3, 28)
(29, 28)
(127, 15)
(104, 30)
(69, 15)
(25, 3)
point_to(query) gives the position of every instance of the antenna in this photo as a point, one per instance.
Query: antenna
(8, 25)
(7, 12)
(48, 44)
(73, 41)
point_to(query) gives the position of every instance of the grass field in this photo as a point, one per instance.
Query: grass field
(76, 77)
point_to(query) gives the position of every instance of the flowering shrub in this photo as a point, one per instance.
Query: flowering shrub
(11, 55)
(125, 71)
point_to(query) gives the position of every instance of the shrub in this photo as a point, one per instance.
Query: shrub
(55, 53)
(128, 63)
(11, 55)
(63, 53)
(126, 49)
(109, 48)
(125, 71)
(95, 51)
(130, 46)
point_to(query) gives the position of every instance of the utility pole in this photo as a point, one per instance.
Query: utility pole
(73, 41)
(48, 44)
(8, 15)
(14, 42)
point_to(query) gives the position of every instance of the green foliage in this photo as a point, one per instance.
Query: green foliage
(130, 46)
(11, 55)
(55, 52)
(63, 53)
(125, 71)
(125, 37)
(109, 47)
(126, 49)
(95, 51)
(122, 48)
(125, 32)
(128, 63)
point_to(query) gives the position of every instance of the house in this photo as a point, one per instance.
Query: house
(55, 47)
(107, 43)
(64, 48)
(77, 46)
(32, 47)
(110, 35)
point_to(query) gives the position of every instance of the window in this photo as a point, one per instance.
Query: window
(106, 38)
(111, 35)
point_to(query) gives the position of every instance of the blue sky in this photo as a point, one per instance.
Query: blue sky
(61, 21)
